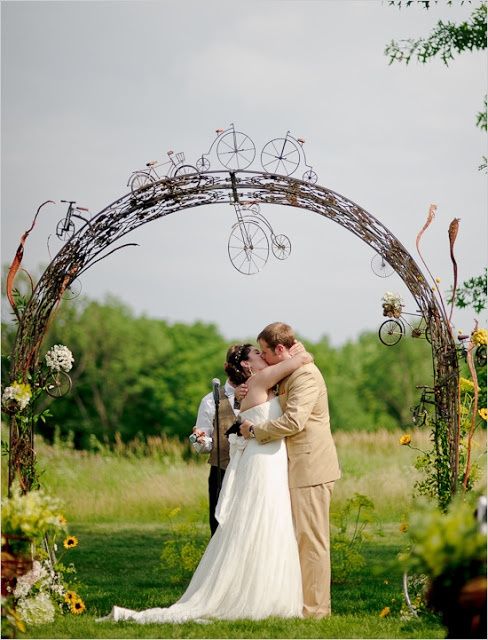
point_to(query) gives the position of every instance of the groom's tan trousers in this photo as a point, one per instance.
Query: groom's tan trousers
(310, 507)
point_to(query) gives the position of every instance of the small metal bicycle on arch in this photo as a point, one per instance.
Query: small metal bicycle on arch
(392, 331)
(283, 155)
(141, 182)
(235, 150)
(248, 244)
(66, 226)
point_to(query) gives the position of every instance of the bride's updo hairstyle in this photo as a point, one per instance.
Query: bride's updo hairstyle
(235, 355)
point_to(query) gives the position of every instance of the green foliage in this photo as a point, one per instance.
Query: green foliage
(472, 293)
(182, 550)
(347, 543)
(446, 40)
(446, 546)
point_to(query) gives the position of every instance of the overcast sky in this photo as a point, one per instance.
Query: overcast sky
(93, 90)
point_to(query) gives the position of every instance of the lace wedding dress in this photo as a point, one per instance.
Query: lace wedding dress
(250, 568)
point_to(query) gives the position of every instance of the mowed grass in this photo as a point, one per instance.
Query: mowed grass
(119, 507)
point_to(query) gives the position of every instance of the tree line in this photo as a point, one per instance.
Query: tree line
(140, 376)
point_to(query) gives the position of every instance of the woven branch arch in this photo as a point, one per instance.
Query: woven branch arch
(98, 238)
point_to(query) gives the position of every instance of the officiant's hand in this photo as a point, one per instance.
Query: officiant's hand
(245, 429)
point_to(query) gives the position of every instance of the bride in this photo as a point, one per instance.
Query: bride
(250, 568)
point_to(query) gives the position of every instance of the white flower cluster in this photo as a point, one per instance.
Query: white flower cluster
(34, 590)
(36, 610)
(393, 300)
(17, 394)
(59, 358)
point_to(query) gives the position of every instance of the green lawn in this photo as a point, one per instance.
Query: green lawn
(119, 564)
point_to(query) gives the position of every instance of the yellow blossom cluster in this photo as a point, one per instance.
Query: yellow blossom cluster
(466, 386)
(480, 336)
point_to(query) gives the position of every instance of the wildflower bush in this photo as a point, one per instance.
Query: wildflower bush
(346, 544)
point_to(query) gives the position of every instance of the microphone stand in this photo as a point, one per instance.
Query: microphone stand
(217, 427)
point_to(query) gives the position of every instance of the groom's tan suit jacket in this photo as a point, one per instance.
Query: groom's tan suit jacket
(305, 425)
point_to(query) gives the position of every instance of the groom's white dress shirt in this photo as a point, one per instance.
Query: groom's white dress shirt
(206, 415)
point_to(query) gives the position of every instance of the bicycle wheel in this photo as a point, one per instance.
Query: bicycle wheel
(310, 176)
(390, 332)
(203, 164)
(281, 246)
(65, 231)
(480, 356)
(280, 155)
(248, 247)
(58, 384)
(419, 415)
(235, 150)
(142, 185)
(380, 266)
(73, 290)
(185, 170)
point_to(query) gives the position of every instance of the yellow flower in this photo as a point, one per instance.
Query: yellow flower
(437, 280)
(70, 597)
(403, 527)
(466, 385)
(70, 542)
(385, 612)
(406, 439)
(62, 520)
(174, 512)
(480, 336)
(484, 413)
(78, 606)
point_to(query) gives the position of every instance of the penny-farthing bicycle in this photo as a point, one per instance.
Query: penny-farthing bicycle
(248, 244)
(235, 150)
(283, 155)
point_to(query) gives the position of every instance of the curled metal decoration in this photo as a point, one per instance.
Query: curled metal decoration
(97, 239)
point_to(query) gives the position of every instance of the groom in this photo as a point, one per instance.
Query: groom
(312, 463)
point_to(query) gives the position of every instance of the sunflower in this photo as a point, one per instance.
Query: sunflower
(78, 606)
(70, 597)
(406, 439)
(484, 413)
(70, 542)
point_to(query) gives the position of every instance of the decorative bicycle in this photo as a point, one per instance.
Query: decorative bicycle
(420, 411)
(66, 226)
(58, 384)
(381, 267)
(479, 353)
(235, 150)
(141, 182)
(248, 244)
(283, 155)
(392, 331)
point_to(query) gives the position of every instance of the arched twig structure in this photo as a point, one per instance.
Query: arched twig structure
(100, 237)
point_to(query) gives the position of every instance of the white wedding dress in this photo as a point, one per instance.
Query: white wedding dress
(250, 568)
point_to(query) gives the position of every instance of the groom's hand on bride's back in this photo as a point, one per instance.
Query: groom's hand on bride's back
(240, 392)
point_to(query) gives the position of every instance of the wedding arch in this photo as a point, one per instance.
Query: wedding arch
(97, 238)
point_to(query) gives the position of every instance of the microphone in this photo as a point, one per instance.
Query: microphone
(216, 390)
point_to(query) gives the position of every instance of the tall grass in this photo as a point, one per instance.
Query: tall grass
(139, 483)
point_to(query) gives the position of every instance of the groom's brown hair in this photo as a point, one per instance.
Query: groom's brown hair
(278, 333)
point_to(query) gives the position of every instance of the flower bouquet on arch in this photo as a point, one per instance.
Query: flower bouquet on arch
(392, 305)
